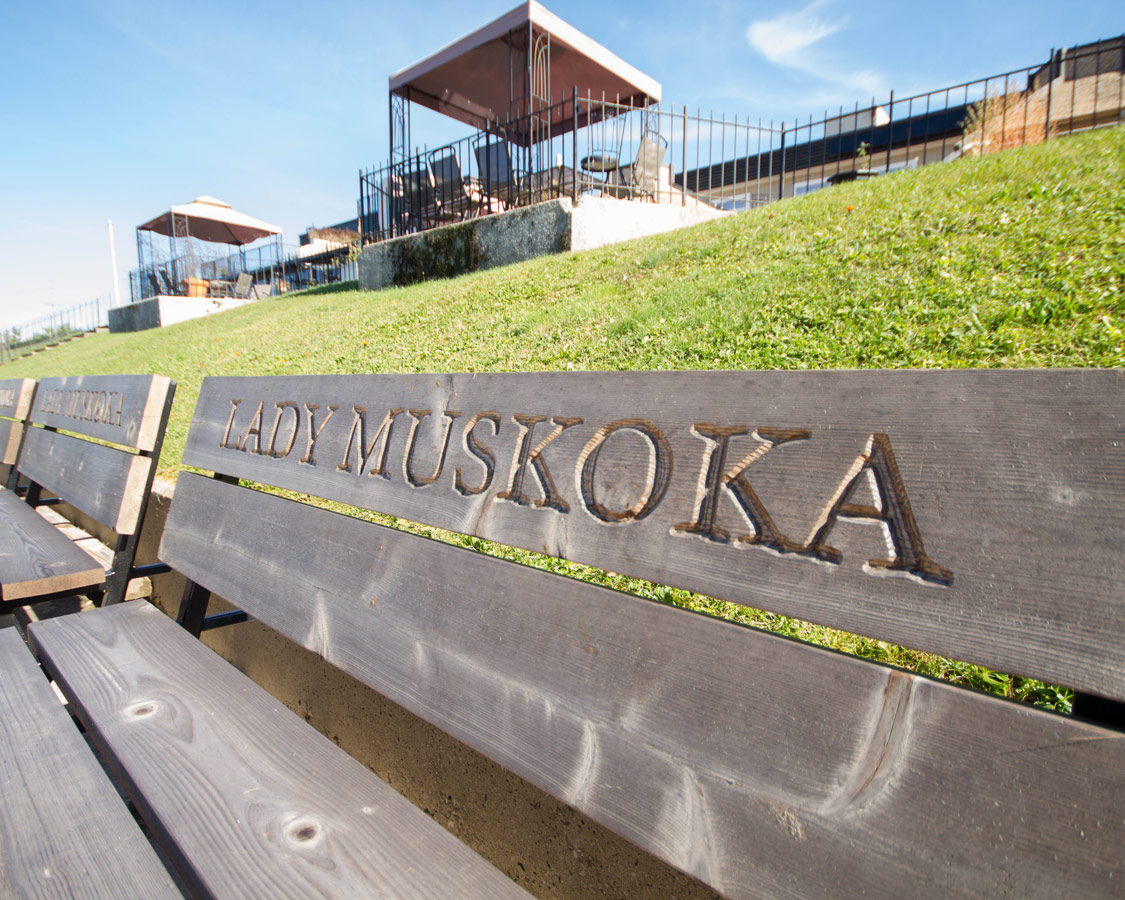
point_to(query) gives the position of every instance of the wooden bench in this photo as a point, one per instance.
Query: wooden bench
(974, 514)
(95, 448)
(15, 403)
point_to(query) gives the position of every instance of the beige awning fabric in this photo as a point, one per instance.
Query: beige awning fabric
(208, 219)
(473, 79)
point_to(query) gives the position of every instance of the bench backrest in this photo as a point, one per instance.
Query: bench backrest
(71, 456)
(977, 515)
(15, 403)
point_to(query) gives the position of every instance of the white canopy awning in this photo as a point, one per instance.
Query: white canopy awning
(472, 79)
(208, 219)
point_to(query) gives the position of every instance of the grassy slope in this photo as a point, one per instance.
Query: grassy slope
(1012, 260)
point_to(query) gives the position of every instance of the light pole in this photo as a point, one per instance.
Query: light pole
(113, 260)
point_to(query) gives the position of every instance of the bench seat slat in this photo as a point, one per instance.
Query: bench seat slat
(35, 559)
(105, 483)
(737, 756)
(64, 830)
(1009, 481)
(247, 797)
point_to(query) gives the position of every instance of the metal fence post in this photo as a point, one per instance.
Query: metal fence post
(890, 131)
(1050, 88)
(781, 178)
(683, 166)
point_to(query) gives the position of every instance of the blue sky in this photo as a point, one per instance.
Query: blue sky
(117, 109)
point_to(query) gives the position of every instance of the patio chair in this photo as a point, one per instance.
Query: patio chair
(164, 284)
(243, 285)
(416, 197)
(642, 177)
(454, 199)
(498, 183)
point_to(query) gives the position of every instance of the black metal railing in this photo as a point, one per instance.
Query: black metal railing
(271, 269)
(59, 325)
(1076, 89)
(190, 276)
(576, 146)
(585, 146)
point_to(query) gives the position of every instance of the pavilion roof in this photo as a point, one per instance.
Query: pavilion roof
(471, 79)
(208, 219)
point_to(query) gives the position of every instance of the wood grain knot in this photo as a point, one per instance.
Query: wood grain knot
(302, 831)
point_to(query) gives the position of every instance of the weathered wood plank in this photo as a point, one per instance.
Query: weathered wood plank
(15, 397)
(105, 483)
(248, 798)
(15, 403)
(10, 435)
(94, 548)
(762, 766)
(124, 409)
(35, 559)
(64, 831)
(975, 514)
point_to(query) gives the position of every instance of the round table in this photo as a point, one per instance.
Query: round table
(600, 161)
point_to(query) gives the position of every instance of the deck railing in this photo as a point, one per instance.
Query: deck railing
(593, 146)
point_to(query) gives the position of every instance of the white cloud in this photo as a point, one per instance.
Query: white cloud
(782, 38)
(790, 40)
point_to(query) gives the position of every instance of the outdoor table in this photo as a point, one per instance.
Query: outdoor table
(602, 161)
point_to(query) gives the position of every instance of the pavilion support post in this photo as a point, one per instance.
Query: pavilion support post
(172, 252)
(574, 145)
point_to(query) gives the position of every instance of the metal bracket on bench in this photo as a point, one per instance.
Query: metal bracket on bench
(193, 617)
(149, 569)
(220, 620)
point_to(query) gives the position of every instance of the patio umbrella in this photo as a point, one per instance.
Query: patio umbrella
(208, 219)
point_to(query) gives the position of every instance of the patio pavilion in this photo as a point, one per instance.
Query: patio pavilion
(524, 69)
(205, 250)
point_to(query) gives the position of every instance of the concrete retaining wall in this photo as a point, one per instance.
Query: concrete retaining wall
(555, 226)
(597, 221)
(544, 845)
(136, 316)
(157, 312)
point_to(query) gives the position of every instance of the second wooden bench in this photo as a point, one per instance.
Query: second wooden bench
(92, 442)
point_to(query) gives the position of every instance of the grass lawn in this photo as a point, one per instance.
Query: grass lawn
(1011, 260)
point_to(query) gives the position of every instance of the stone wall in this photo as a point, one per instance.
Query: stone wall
(555, 226)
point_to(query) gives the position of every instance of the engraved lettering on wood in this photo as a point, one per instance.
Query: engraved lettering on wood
(283, 406)
(621, 496)
(365, 451)
(483, 453)
(225, 443)
(525, 456)
(417, 415)
(102, 407)
(656, 478)
(712, 478)
(253, 430)
(313, 433)
(894, 513)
